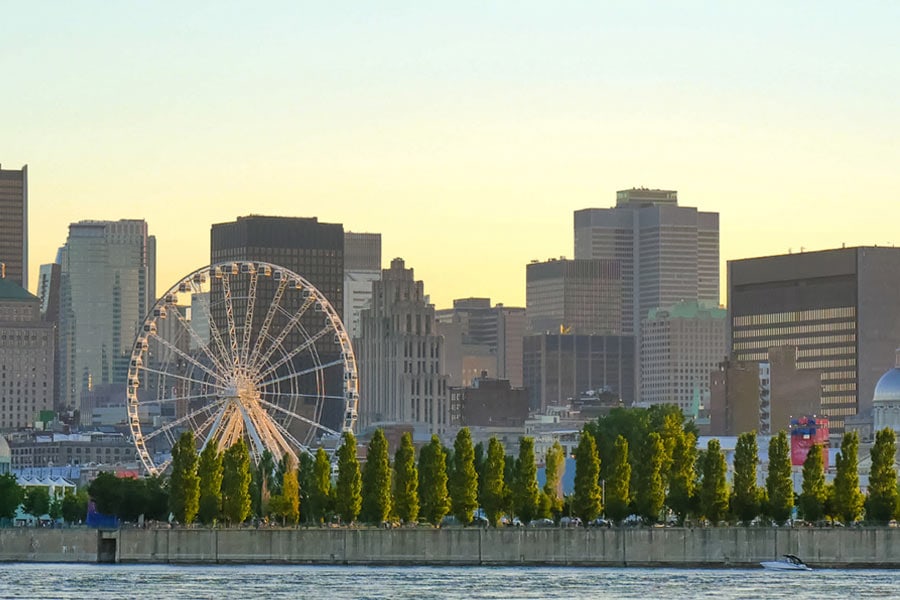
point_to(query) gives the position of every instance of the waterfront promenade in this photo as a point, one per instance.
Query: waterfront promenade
(638, 547)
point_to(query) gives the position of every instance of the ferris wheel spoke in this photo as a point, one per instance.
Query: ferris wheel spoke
(290, 438)
(290, 355)
(294, 415)
(214, 386)
(267, 322)
(220, 345)
(276, 343)
(176, 399)
(187, 356)
(297, 395)
(248, 317)
(165, 429)
(210, 434)
(301, 373)
(202, 344)
(229, 317)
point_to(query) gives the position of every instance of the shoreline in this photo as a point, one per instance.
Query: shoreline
(672, 547)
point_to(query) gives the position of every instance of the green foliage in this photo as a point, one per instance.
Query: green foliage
(11, 496)
(779, 485)
(236, 479)
(184, 482)
(263, 483)
(811, 504)
(587, 501)
(618, 486)
(209, 471)
(493, 487)
(128, 498)
(683, 476)
(305, 480)
(406, 481)
(848, 500)
(286, 504)
(433, 497)
(525, 492)
(480, 458)
(554, 468)
(348, 490)
(376, 481)
(713, 486)
(651, 495)
(883, 502)
(321, 494)
(744, 492)
(463, 482)
(36, 501)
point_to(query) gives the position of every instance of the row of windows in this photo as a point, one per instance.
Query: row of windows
(771, 332)
(796, 315)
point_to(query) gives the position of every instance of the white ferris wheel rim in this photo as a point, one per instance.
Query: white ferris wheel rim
(239, 381)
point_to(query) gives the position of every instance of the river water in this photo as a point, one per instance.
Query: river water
(256, 582)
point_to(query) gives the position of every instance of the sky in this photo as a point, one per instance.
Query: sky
(466, 133)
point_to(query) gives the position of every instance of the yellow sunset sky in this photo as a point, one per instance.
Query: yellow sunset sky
(465, 133)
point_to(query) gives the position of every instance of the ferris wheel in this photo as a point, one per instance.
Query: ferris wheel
(240, 350)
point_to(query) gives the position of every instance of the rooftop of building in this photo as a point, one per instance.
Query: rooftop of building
(688, 310)
(10, 290)
(645, 196)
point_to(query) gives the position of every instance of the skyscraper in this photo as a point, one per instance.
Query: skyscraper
(837, 307)
(362, 266)
(680, 346)
(479, 337)
(400, 356)
(26, 358)
(107, 284)
(668, 253)
(313, 250)
(14, 224)
(581, 296)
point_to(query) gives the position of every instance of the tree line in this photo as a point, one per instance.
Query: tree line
(631, 465)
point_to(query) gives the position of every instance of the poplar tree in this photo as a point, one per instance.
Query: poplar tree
(744, 491)
(587, 500)
(618, 486)
(813, 494)
(376, 481)
(525, 493)
(779, 485)
(184, 483)
(236, 502)
(682, 476)
(406, 481)
(493, 486)
(848, 500)
(321, 494)
(348, 489)
(883, 502)
(713, 486)
(652, 494)
(290, 495)
(554, 468)
(433, 499)
(305, 481)
(463, 481)
(210, 472)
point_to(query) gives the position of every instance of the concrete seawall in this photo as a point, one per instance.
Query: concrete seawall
(669, 547)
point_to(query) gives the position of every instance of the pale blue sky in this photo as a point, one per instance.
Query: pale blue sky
(466, 133)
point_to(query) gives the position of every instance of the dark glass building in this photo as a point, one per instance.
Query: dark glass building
(313, 250)
(559, 367)
(839, 308)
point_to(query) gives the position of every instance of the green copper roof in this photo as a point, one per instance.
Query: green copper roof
(10, 290)
(689, 310)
